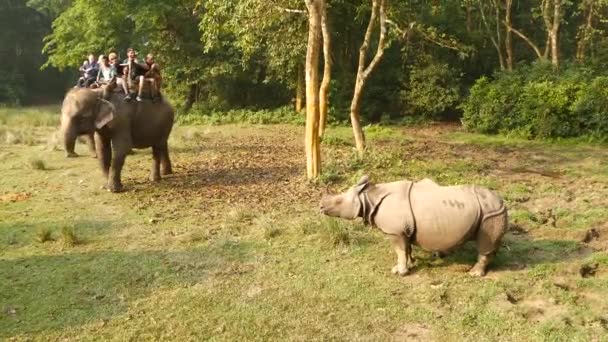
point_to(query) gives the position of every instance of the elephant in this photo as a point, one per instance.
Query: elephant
(89, 139)
(436, 218)
(118, 127)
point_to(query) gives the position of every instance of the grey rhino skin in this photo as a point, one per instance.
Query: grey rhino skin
(118, 126)
(436, 218)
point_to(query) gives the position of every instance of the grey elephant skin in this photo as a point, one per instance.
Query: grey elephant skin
(436, 218)
(118, 126)
(89, 139)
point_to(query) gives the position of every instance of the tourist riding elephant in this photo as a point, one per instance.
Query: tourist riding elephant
(118, 126)
(436, 218)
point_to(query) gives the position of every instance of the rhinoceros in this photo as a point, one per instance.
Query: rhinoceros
(434, 217)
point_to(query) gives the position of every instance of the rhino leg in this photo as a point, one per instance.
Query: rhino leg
(409, 258)
(491, 231)
(399, 245)
(479, 270)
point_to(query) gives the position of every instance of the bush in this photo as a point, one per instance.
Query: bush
(12, 87)
(280, 115)
(432, 90)
(537, 102)
(592, 104)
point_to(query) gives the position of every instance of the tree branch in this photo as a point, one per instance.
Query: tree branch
(404, 33)
(526, 39)
(367, 37)
(290, 10)
(381, 41)
(487, 26)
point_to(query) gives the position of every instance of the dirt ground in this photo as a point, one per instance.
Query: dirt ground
(231, 246)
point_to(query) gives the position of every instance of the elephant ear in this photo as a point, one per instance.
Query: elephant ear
(105, 113)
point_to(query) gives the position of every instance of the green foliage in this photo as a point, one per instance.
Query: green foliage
(12, 87)
(591, 105)
(432, 90)
(281, 115)
(21, 31)
(536, 102)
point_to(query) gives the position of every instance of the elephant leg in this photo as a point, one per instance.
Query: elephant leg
(103, 146)
(114, 183)
(489, 235)
(90, 138)
(69, 140)
(399, 245)
(156, 158)
(165, 161)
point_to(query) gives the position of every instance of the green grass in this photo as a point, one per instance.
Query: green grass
(232, 247)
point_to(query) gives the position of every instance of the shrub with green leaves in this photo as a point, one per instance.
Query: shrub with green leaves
(282, 115)
(537, 102)
(432, 90)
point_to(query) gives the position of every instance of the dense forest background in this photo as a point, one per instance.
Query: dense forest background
(536, 68)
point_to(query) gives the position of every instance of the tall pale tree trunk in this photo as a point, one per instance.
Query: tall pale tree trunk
(552, 25)
(327, 64)
(300, 89)
(584, 31)
(496, 37)
(363, 72)
(557, 17)
(510, 29)
(469, 15)
(312, 141)
(546, 11)
(509, 35)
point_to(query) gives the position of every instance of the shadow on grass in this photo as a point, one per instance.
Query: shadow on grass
(248, 175)
(53, 292)
(22, 233)
(518, 252)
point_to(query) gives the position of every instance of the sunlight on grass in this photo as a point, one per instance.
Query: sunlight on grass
(29, 116)
(232, 247)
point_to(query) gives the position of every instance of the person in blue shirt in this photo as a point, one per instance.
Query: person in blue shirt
(89, 71)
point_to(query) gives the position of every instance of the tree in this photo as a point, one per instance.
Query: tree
(363, 71)
(312, 141)
(22, 28)
(327, 63)
(551, 13)
(590, 30)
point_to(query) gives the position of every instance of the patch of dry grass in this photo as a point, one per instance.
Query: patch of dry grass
(238, 251)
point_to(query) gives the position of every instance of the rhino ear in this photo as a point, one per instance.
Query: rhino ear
(363, 180)
(362, 184)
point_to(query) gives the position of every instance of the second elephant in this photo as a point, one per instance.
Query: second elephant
(119, 126)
